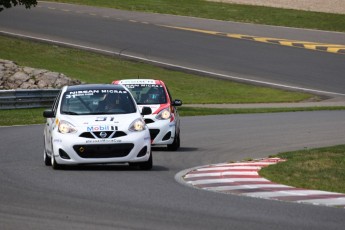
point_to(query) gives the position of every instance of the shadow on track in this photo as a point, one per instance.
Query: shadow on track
(110, 167)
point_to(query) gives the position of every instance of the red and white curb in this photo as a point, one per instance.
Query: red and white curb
(242, 178)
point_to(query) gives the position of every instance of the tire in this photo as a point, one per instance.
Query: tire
(147, 165)
(46, 158)
(176, 143)
(54, 164)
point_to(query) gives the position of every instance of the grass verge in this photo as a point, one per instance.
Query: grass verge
(192, 89)
(321, 169)
(21, 117)
(192, 111)
(227, 12)
(34, 116)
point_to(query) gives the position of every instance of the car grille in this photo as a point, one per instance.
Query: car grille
(103, 150)
(149, 121)
(154, 133)
(109, 134)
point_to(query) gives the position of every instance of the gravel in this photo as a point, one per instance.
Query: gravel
(329, 6)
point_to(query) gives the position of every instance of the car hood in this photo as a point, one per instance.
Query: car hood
(101, 122)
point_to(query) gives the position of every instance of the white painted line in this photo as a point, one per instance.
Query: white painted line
(219, 174)
(327, 201)
(254, 163)
(296, 192)
(174, 66)
(237, 187)
(230, 168)
(226, 180)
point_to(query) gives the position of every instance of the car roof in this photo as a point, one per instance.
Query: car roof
(139, 81)
(94, 86)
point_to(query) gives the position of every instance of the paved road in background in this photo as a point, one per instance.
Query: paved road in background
(142, 35)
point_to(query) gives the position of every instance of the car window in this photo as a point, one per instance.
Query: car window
(148, 93)
(56, 102)
(169, 94)
(98, 101)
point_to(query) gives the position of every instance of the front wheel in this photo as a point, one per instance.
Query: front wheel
(176, 144)
(146, 165)
(46, 158)
(54, 164)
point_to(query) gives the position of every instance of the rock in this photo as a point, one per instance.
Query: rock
(28, 70)
(61, 82)
(31, 81)
(41, 84)
(37, 72)
(25, 85)
(10, 85)
(14, 77)
(19, 76)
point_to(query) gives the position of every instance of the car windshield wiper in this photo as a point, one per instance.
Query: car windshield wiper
(101, 113)
(69, 113)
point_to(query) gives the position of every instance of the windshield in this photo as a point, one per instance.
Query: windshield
(97, 101)
(147, 93)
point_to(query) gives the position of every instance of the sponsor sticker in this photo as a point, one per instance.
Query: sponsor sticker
(133, 86)
(74, 94)
(101, 118)
(137, 81)
(81, 93)
(98, 141)
(96, 128)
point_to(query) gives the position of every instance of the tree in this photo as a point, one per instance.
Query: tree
(10, 3)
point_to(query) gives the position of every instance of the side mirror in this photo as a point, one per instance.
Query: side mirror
(146, 111)
(177, 102)
(48, 113)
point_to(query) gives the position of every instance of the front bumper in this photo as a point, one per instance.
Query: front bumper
(73, 149)
(162, 131)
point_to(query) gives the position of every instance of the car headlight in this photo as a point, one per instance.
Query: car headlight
(66, 127)
(164, 114)
(137, 125)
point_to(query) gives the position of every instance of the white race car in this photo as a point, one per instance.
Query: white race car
(96, 124)
(164, 122)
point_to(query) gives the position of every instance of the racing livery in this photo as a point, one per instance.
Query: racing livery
(164, 122)
(96, 124)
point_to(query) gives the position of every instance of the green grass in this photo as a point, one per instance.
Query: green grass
(34, 116)
(95, 68)
(21, 117)
(321, 169)
(227, 12)
(191, 111)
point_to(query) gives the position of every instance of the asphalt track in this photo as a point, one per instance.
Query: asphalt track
(33, 196)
